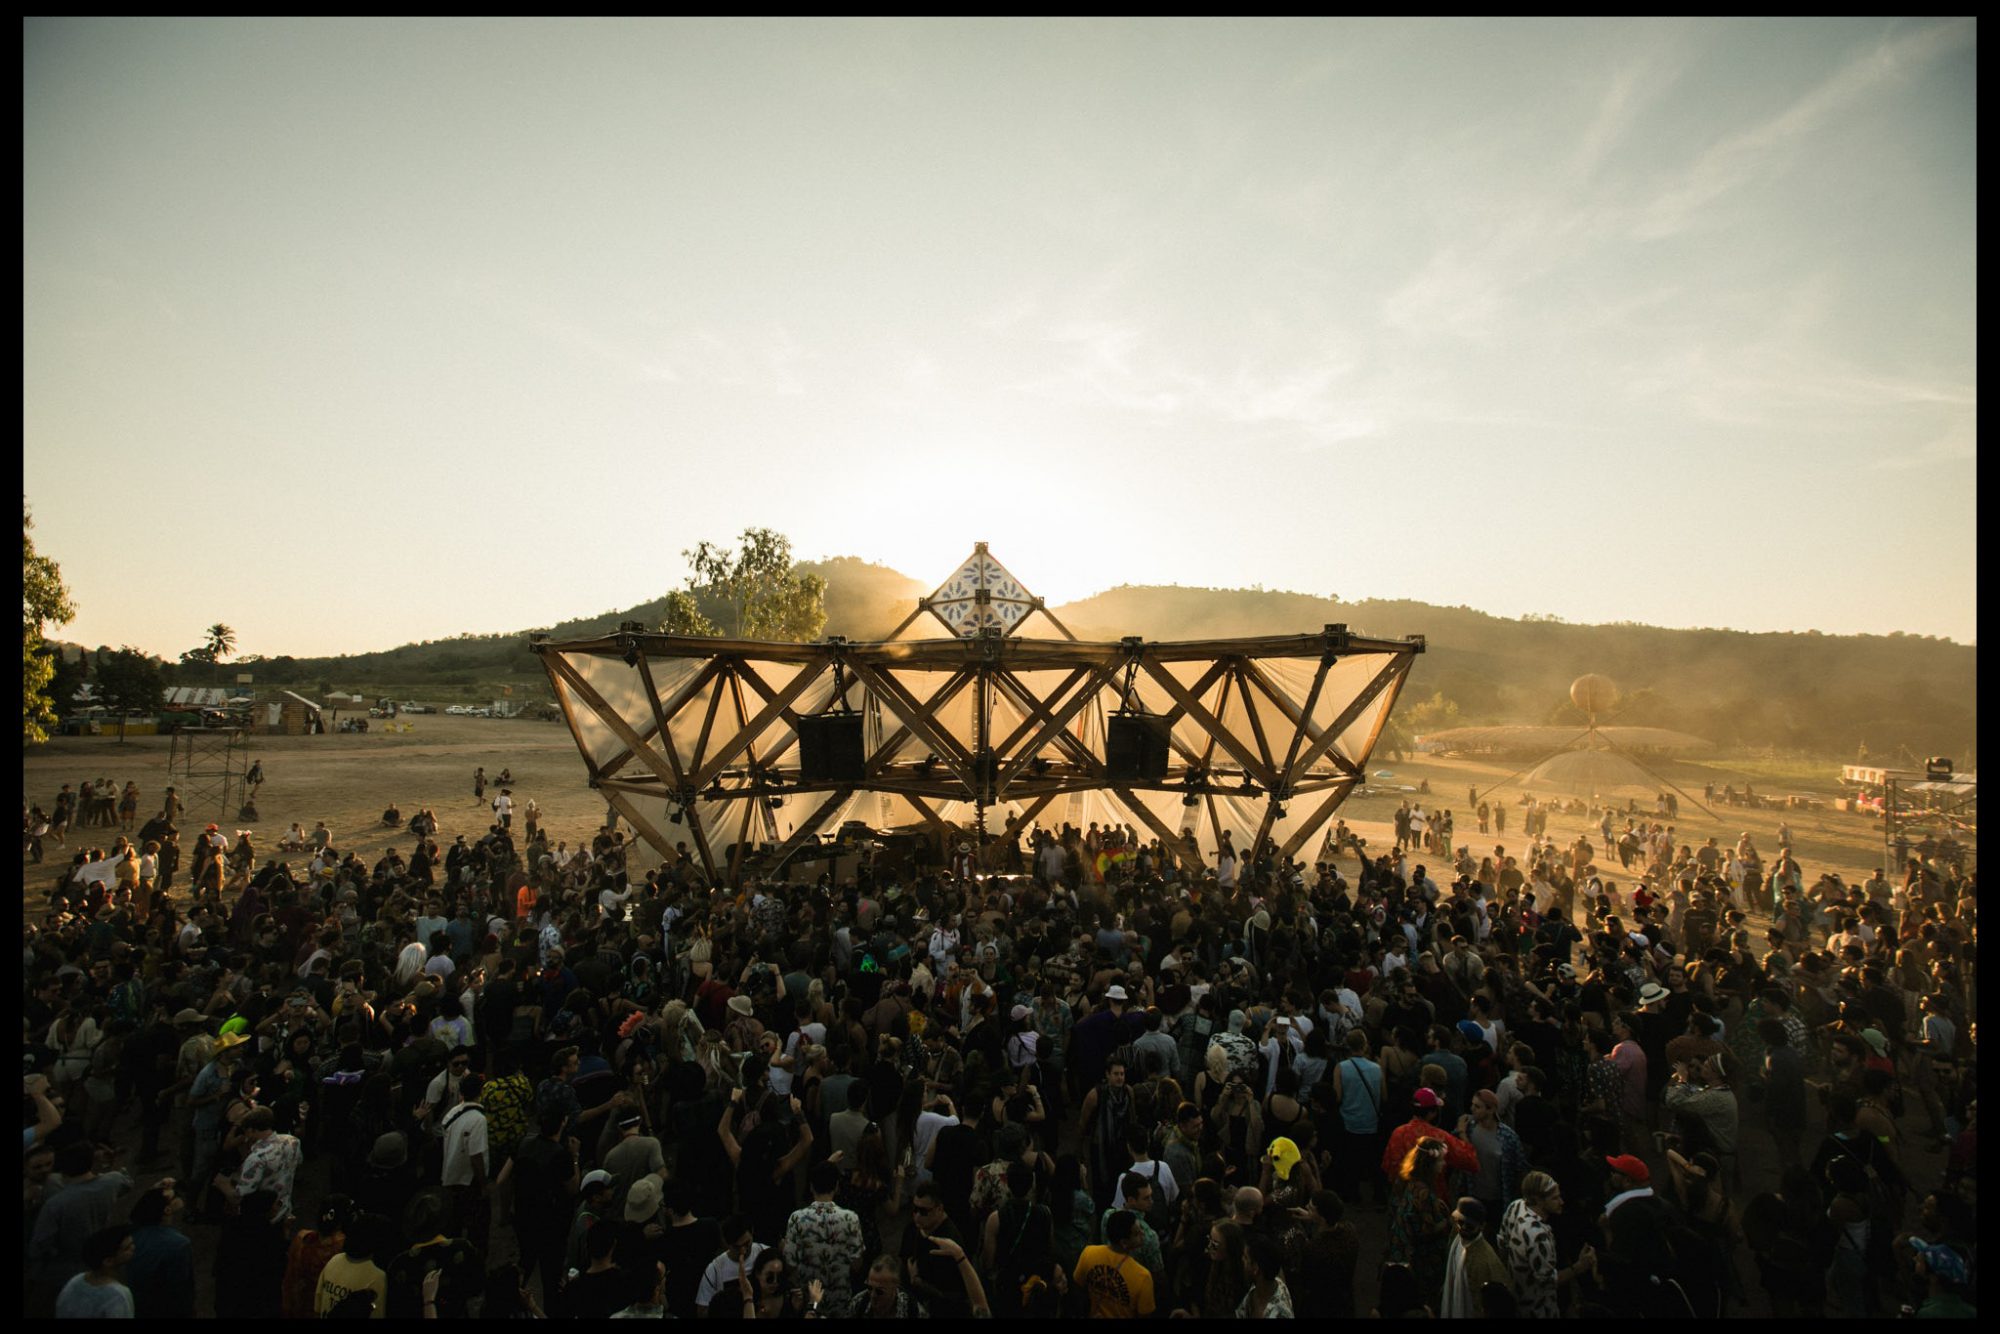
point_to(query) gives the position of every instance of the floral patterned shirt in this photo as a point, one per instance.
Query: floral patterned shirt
(271, 1165)
(823, 1241)
(1278, 1308)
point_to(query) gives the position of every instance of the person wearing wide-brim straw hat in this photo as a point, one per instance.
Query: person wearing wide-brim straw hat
(209, 1096)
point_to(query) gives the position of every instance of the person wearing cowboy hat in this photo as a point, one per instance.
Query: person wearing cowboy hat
(743, 1029)
(209, 1096)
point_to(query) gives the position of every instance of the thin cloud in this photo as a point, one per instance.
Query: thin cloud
(1958, 444)
(1750, 155)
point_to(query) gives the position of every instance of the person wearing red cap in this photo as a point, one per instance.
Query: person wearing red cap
(1459, 1156)
(1630, 1180)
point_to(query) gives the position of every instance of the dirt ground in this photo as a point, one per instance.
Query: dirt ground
(348, 779)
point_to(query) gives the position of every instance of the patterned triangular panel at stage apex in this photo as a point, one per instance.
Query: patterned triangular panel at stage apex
(959, 604)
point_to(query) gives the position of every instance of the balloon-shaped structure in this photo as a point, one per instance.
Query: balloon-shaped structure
(1593, 694)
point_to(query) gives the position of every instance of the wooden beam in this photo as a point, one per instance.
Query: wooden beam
(1054, 723)
(763, 687)
(945, 693)
(1173, 715)
(1027, 815)
(1201, 683)
(938, 826)
(1302, 724)
(1256, 723)
(647, 830)
(909, 620)
(811, 825)
(1215, 825)
(556, 683)
(1264, 825)
(1039, 711)
(1209, 722)
(1055, 730)
(1183, 847)
(748, 733)
(742, 841)
(1043, 608)
(660, 731)
(918, 717)
(1390, 670)
(708, 720)
(1311, 824)
(692, 813)
(665, 712)
(610, 718)
(743, 714)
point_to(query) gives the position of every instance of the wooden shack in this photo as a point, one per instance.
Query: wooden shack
(289, 714)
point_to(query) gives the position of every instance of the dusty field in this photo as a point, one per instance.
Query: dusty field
(348, 780)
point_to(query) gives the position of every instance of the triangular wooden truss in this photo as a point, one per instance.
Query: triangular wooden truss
(1266, 735)
(981, 596)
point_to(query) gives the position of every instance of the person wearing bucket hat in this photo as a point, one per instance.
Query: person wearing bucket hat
(642, 1201)
(390, 1150)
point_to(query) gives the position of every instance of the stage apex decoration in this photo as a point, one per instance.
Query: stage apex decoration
(744, 751)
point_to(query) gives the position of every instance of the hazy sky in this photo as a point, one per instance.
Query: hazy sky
(356, 333)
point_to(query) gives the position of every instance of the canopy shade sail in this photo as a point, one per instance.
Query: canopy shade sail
(1526, 739)
(1590, 773)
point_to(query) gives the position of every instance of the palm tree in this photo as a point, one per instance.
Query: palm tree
(221, 643)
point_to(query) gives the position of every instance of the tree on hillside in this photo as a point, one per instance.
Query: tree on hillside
(683, 616)
(44, 601)
(69, 677)
(1435, 714)
(751, 592)
(129, 682)
(221, 642)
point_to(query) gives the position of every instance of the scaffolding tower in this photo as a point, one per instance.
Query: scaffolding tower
(210, 764)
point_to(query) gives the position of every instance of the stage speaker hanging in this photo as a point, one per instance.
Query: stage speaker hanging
(1135, 748)
(830, 749)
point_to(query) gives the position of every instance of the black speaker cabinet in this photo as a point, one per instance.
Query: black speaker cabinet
(1135, 748)
(830, 749)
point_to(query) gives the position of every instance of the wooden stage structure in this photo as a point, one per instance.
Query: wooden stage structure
(697, 741)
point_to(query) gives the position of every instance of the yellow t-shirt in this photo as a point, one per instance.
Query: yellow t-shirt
(1119, 1286)
(343, 1276)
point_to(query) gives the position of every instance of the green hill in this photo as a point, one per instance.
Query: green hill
(1800, 691)
(1824, 694)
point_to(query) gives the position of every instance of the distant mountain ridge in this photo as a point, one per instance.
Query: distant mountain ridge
(1807, 691)
(1802, 691)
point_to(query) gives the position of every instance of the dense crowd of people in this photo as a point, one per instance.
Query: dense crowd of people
(506, 1077)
